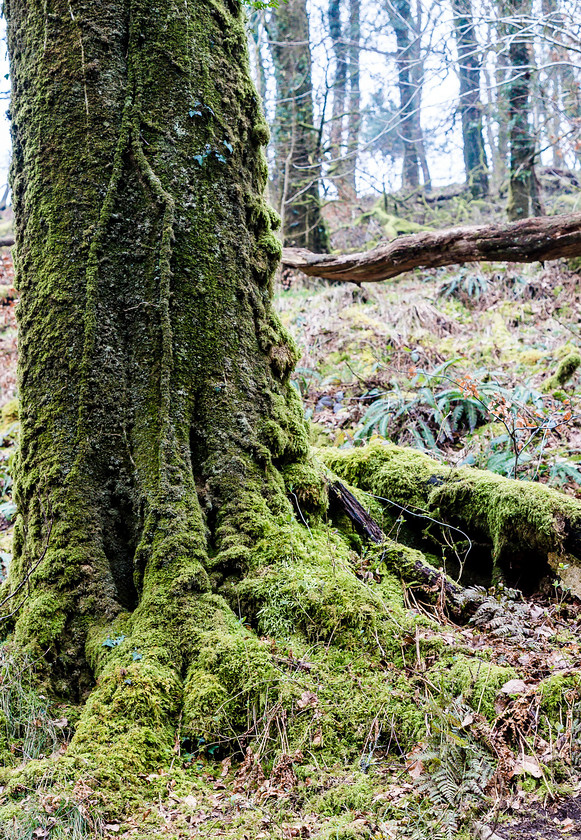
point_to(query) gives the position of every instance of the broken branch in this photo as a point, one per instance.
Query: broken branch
(528, 240)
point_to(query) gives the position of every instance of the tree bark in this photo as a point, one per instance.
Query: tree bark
(541, 238)
(336, 149)
(354, 116)
(155, 405)
(346, 114)
(470, 107)
(524, 190)
(401, 19)
(297, 170)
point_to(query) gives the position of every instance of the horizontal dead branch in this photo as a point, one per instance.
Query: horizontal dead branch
(529, 240)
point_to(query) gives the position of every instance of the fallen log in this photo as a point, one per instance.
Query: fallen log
(531, 530)
(529, 240)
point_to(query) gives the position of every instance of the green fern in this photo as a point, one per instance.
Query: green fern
(457, 770)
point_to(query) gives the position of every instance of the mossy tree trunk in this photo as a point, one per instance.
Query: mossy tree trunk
(524, 198)
(296, 139)
(470, 107)
(156, 408)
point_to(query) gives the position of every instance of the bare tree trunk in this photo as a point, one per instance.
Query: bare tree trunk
(417, 72)
(354, 117)
(346, 119)
(400, 15)
(256, 43)
(339, 96)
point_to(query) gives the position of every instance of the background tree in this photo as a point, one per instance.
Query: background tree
(345, 121)
(524, 197)
(469, 104)
(410, 73)
(296, 140)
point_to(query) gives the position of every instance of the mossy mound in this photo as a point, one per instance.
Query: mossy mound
(529, 528)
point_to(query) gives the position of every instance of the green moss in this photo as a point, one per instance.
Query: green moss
(228, 686)
(352, 794)
(517, 518)
(43, 620)
(306, 485)
(566, 369)
(556, 694)
(9, 413)
(476, 680)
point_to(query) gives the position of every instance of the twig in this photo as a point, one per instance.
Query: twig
(27, 577)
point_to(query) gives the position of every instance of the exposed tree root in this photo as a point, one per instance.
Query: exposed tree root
(529, 240)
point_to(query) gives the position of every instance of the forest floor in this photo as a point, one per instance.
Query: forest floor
(475, 365)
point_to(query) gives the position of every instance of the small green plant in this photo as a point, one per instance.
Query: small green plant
(561, 588)
(28, 727)
(429, 416)
(456, 770)
(258, 5)
(502, 611)
(432, 417)
(465, 284)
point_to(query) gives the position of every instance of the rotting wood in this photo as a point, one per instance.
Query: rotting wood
(525, 241)
(368, 527)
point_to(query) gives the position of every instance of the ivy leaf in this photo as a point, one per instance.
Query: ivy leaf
(262, 4)
(111, 643)
(7, 510)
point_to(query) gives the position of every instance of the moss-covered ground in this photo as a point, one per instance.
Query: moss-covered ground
(374, 713)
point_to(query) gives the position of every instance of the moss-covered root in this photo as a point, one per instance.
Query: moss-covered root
(140, 704)
(184, 668)
(527, 526)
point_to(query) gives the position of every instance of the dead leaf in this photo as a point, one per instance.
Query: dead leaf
(190, 802)
(527, 764)
(308, 698)
(414, 766)
(514, 687)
